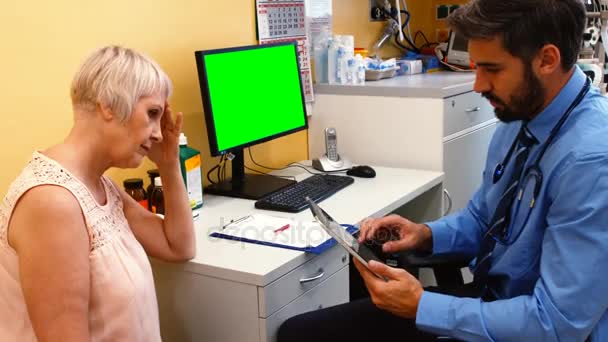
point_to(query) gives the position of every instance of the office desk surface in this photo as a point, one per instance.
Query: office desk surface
(434, 85)
(260, 265)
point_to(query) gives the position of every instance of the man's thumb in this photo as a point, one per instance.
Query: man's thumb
(383, 270)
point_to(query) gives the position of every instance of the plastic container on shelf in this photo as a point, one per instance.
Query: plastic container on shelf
(375, 75)
(361, 51)
(190, 164)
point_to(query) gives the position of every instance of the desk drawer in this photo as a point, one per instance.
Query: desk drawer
(277, 294)
(333, 291)
(464, 111)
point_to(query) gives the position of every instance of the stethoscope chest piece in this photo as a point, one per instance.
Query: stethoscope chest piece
(498, 171)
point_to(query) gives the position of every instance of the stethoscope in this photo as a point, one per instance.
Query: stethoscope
(533, 172)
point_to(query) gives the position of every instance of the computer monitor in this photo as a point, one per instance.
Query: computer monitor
(458, 51)
(251, 94)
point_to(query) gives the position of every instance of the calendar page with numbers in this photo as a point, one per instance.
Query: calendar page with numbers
(285, 20)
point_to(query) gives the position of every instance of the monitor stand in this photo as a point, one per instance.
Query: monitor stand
(246, 185)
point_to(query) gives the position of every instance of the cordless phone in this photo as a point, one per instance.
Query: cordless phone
(331, 160)
(331, 144)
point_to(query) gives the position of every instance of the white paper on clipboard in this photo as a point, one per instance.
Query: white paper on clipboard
(282, 21)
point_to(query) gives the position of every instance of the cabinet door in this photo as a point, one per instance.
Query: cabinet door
(463, 160)
(332, 291)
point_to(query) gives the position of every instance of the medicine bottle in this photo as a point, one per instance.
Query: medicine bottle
(135, 188)
(158, 198)
(190, 164)
(153, 173)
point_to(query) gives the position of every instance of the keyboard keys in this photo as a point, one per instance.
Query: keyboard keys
(292, 198)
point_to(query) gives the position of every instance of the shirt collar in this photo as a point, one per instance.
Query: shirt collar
(542, 124)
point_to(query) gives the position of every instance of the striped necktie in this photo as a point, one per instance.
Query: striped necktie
(499, 225)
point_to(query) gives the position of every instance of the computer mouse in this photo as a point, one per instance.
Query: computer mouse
(362, 171)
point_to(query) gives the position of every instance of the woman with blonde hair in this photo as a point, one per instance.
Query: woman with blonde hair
(73, 245)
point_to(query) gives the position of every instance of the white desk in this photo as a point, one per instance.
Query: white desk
(234, 291)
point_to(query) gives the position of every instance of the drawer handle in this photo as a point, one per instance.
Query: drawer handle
(317, 277)
(473, 110)
(449, 197)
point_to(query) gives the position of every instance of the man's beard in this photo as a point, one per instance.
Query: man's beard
(525, 103)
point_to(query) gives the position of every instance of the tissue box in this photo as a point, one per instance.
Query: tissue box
(409, 67)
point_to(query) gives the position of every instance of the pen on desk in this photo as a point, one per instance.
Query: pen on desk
(236, 221)
(278, 230)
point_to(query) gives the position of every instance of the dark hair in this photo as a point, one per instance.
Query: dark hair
(525, 25)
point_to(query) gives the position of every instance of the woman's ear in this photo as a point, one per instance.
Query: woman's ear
(106, 112)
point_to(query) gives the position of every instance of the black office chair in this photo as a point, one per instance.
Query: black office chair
(446, 269)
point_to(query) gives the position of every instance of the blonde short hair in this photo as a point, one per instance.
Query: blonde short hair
(118, 78)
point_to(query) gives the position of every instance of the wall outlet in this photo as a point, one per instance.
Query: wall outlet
(377, 10)
(442, 12)
(442, 35)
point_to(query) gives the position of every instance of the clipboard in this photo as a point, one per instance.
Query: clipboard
(281, 232)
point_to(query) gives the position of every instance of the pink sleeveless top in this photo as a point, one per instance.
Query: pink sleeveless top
(122, 297)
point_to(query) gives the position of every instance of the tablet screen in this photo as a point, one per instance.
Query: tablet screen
(349, 242)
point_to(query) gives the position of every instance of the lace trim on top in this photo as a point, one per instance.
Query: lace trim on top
(103, 222)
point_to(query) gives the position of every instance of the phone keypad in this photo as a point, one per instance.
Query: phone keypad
(332, 152)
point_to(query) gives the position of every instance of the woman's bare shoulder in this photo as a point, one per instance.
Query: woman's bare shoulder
(45, 211)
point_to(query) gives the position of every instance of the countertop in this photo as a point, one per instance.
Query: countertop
(434, 85)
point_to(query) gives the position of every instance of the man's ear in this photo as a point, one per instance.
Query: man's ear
(106, 112)
(548, 59)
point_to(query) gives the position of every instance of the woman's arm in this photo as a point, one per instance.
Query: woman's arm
(171, 238)
(48, 231)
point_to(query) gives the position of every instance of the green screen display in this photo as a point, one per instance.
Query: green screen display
(254, 94)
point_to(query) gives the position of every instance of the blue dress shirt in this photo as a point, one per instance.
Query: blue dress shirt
(553, 271)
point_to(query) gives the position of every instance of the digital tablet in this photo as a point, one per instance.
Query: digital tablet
(360, 251)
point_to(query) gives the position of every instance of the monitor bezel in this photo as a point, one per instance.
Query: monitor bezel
(208, 108)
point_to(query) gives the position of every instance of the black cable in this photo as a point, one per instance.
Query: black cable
(307, 169)
(294, 164)
(407, 38)
(262, 166)
(224, 167)
(265, 173)
(400, 44)
(426, 41)
(209, 173)
(217, 167)
(431, 44)
(220, 169)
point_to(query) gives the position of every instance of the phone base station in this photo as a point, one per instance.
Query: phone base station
(324, 164)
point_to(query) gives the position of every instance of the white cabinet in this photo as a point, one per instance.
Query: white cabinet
(468, 128)
(433, 122)
(464, 158)
(196, 305)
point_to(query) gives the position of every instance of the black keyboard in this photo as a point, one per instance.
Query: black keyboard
(292, 198)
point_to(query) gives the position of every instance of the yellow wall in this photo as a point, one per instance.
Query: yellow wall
(43, 42)
(352, 17)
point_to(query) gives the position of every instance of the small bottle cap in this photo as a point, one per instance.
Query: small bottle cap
(153, 173)
(183, 140)
(133, 183)
(158, 181)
